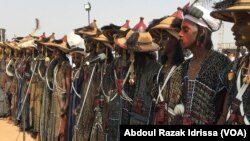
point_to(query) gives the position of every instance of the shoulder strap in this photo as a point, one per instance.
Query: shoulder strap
(164, 84)
(240, 89)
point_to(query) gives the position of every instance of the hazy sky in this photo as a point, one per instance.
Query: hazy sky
(62, 16)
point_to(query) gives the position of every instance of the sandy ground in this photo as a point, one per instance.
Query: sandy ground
(10, 132)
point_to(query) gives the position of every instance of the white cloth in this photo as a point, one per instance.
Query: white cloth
(213, 23)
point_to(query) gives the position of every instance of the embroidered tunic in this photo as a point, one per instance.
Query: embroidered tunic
(239, 111)
(141, 110)
(171, 94)
(200, 95)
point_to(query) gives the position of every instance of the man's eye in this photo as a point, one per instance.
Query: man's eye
(185, 30)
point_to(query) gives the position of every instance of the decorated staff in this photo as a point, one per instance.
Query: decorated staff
(238, 13)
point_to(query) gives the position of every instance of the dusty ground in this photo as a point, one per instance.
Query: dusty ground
(10, 132)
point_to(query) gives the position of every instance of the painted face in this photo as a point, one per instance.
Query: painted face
(188, 34)
(76, 58)
(15, 53)
(7, 50)
(100, 48)
(241, 29)
(40, 49)
(118, 49)
(57, 53)
(89, 44)
(168, 43)
(29, 50)
(163, 38)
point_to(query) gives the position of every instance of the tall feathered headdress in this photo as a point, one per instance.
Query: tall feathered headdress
(36, 27)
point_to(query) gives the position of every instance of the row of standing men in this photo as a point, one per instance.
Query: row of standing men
(123, 82)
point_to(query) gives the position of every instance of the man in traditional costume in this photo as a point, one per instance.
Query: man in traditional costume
(203, 87)
(136, 101)
(238, 13)
(5, 78)
(78, 55)
(167, 92)
(113, 83)
(24, 73)
(12, 91)
(89, 88)
(45, 71)
(61, 89)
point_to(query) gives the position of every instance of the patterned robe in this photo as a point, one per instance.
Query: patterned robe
(46, 110)
(77, 80)
(58, 98)
(171, 94)
(201, 97)
(113, 103)
(142, 106)
(117, 109)
(86, 114)
(239, 111)
(36, 93)
(14, 91)
(23, 96)
(120, 110)
(2, 66)
(5, 81)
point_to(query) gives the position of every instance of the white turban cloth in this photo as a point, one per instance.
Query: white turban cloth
(210, 23)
